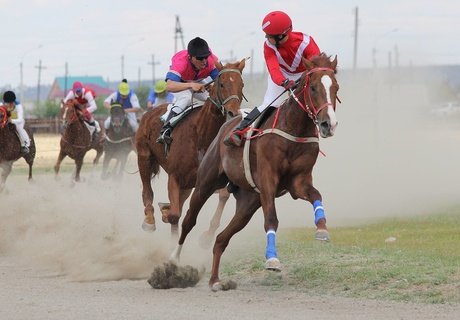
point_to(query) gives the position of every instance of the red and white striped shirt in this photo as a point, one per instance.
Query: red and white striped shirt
(288, 56)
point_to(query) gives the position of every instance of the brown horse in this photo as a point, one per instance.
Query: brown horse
(76, 140)
(278, 159)
(191, 139)
(10, 147)
(119, 142)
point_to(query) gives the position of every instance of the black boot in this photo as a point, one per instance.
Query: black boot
(165, 132)
(235, 137)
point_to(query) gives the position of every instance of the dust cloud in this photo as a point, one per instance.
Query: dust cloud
(390, 157)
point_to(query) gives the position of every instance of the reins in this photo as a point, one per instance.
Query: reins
(220, 103)
(4, 120)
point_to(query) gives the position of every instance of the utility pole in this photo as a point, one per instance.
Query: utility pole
(122, 66)
(178, 34)
(396, 56)
(39, 67)
(153, 63)
(355, 47)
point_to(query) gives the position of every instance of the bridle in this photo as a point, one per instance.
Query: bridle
(221, 101)
(117, 128)
(310, 107)
(72, 117)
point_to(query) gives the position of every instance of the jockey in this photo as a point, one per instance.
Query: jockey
(185, 79)
(159, 95)
(283, 52)
(16, 110)
(128, 100)
(85, 97)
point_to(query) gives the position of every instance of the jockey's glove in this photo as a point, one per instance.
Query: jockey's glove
(288, 84)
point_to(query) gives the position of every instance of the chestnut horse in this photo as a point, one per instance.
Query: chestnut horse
(119, 142)
(278, 159)
(76, 140)
(10, 147)
(191, 138)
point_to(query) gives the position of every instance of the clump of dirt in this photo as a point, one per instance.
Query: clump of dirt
(170, 275)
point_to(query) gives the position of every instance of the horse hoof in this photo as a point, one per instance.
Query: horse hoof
(148, 227)
(273, 264)
(216, 286)
(322, 235)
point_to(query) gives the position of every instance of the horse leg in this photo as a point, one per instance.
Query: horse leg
(123, 161)
(57, 166)
(78, 164)
(183, 196)
(174, 191)
(321, 233)
(207, 183)
(6, 170)
(105, 166)
(146, 170)
(207, 236)
(302, 188)
(99, 151)
(246, 205)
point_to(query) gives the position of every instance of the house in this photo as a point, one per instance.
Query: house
(62, 85)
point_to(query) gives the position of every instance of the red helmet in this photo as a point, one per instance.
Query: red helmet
(276, 23)
(77, 86)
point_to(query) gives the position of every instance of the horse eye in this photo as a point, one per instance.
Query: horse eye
(312, 88)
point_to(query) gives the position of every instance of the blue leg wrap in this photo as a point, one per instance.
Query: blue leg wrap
(270, 251)
(319, 211)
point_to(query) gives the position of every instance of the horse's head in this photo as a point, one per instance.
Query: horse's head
(319, 87)
(71, 111)
(117, 116)
(227, 91)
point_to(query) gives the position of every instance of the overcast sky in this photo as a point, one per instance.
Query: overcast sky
(91, 36)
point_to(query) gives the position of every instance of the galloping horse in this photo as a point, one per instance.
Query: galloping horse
(192, 137)
(76, 139)
(279, 158)
(10, 147)
(119, 142)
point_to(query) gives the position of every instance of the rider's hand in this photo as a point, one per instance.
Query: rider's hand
(288, 84)
(197, 87)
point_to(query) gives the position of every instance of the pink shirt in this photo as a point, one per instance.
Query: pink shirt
(288, 56)
(182, 70)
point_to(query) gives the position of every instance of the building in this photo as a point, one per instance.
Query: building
(62, 85)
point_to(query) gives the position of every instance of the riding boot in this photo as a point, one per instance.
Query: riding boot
(95, 125)
(235, 137)
(165, 132)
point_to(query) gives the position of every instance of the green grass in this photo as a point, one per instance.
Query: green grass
(421, 265)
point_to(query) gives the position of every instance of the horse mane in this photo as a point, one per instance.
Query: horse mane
(324, 61)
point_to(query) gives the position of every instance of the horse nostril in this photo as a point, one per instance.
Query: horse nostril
(324, 125)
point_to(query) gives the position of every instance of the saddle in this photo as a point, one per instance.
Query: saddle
(175, 120)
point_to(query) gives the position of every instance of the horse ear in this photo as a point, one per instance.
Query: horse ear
(334, 63)
(218, 65)
(242, 64)
(308, 63)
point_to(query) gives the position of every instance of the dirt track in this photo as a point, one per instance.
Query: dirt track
(72, 252)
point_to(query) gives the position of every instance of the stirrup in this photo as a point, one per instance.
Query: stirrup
(165, 137)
